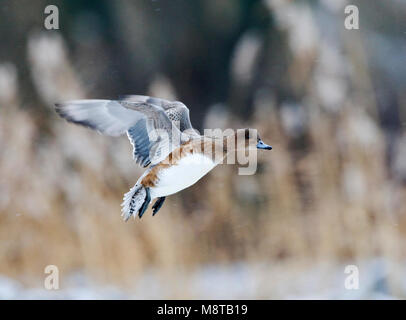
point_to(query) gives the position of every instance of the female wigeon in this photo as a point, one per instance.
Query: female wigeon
(163, 137)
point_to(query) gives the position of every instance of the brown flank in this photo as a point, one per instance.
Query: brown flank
(206, 146)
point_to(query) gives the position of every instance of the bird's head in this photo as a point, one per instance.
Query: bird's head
(250, 139)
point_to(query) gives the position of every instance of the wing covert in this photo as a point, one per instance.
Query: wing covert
(176, 111)
(147, 125)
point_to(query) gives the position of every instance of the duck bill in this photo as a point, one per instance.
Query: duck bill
(262, 145)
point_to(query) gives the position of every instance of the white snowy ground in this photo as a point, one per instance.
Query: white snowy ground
(377, 280)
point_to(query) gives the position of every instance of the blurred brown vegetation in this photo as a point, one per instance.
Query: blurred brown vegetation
(332, 189)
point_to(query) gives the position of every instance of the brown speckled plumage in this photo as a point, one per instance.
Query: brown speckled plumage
(162, 138)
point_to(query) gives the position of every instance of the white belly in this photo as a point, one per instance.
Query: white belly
(182, 175)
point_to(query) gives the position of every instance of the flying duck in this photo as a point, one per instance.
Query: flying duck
(163, 138)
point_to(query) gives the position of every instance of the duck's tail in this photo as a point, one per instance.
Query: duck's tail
(134, 202)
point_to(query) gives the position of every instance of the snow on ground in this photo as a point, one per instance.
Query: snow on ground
(238, 281)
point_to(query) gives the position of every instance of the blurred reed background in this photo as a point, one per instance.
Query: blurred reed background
(330, 101)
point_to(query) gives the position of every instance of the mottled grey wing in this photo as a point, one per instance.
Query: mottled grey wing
(147, 99)
(176, 111)
(106, 116)
(138, 136)
(154, 137)
(148, 127)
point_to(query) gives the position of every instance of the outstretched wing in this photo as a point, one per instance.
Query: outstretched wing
(147, 125)
(176, 111)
